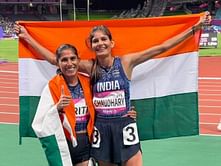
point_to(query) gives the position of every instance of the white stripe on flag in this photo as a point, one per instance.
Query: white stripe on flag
(154, 78)
(165, 76)
(34, 75)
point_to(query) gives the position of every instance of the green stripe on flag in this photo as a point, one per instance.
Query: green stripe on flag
(28, 106)
(170, 116)
(52, 151)
(162, 117)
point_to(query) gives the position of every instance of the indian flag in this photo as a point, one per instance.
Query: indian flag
(164, 89)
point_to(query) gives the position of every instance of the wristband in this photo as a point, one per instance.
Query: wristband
(193, 30)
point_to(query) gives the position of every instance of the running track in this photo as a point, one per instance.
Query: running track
(209, 94)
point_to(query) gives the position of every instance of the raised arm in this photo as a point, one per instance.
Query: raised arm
(131, 60)
(23, 34)
(84, 66)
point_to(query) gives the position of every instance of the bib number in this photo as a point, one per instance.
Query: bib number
(130, 134)
(96, 138)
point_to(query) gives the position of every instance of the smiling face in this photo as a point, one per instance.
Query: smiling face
(100, 40)
(68, 62)
(101, 44)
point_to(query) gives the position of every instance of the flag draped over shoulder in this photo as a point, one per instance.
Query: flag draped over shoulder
(163, 89)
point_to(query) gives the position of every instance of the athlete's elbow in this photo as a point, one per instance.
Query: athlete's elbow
(163, 48)
(53, 62)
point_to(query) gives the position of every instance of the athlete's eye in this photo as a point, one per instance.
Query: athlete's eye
(63, 60)
(95, 40)
(104, 38)
(73, 58)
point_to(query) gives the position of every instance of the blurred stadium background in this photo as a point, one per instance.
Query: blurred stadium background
(51, 10)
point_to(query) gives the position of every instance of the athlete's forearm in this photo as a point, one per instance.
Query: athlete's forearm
(42, 51)
(23, 34)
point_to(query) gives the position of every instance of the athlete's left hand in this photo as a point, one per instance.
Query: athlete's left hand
(206, 18)
(132, 113)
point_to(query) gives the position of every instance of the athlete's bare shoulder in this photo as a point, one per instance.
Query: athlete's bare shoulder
(85, 66)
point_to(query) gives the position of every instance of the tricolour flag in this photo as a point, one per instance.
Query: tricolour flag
(164, 89)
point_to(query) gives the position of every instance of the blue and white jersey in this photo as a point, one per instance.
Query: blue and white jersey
(111, 92)
(81, 109)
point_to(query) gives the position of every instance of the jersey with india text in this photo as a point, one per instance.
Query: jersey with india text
(111, 95)
(81, 109)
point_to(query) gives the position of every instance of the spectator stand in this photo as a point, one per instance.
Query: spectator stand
(35, 10)
(7, 27)
(1, 32)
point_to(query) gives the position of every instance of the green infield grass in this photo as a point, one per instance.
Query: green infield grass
(9, 50)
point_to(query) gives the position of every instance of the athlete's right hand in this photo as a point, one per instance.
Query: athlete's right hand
(63, 101)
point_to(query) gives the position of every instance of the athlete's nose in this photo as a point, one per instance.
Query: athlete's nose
(100, 42)
(69, 62)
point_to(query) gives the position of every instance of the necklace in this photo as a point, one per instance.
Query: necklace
(107, 69)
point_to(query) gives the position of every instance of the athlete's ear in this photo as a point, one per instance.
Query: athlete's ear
(112, 44)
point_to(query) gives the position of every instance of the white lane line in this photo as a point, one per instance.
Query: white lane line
(8, 92)
(209, 78)
(10, 105)
(209, 86)
(209, 106)
(11, 83)
(9, 87)
(210, 114)
(9, 98)
(9, 113)
(207, 123)
(213, 100)
(8, 71)
(216, 135)
(9, 123)
(8, 79)
(209, 94)
(210, 90)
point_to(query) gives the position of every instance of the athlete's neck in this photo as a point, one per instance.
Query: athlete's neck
(72, 81)
(106, 62)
